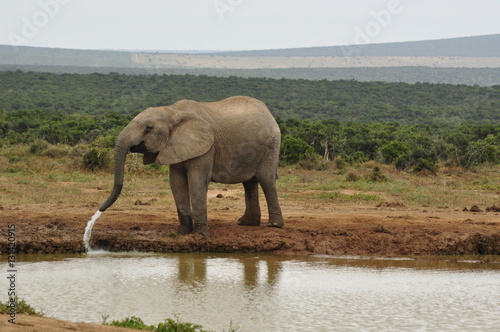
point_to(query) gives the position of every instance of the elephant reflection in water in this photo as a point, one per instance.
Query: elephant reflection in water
(193, 271)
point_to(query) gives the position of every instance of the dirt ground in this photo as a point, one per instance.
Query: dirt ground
(311, 228)
(34, 323)
(387, 229)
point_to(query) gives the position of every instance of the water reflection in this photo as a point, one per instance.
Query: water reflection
(267, 292)
(192, 270)
(452, 263)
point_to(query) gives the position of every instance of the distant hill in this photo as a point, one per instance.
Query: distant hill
(467, 76)
(468, 60)
(478, 46)
(42, 56)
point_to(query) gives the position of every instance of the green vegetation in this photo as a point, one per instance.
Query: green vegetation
(408, 74)
(407, 147)
(413, 127)
(169, 325)
(64, 178)
(97, 100)
(136, 323)
(21, 308)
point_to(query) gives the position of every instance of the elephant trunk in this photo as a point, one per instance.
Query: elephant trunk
(120, 156)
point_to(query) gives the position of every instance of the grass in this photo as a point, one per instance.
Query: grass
(21, 307)
(356, 197)
(27, 178)
(169, 325)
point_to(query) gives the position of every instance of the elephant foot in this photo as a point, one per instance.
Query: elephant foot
(184, 230)
(186, 223)
(276, 221)
(202, 230)
(249, 221)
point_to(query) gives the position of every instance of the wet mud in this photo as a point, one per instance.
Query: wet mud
(386, 229)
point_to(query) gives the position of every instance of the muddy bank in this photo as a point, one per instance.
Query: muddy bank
(36, 323)
(385, 230)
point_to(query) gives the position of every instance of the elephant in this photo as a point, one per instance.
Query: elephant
(235, 140)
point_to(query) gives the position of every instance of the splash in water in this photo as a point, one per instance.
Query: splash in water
(88, 230)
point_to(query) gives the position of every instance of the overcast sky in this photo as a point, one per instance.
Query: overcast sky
(238, 24)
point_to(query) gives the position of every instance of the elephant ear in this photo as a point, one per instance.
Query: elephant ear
(191, 136)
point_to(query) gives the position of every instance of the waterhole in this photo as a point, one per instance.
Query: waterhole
(267, 292)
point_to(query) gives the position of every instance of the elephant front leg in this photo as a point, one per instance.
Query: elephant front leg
(198, 188)
(186, 223)
(252, 210)
(179, 185)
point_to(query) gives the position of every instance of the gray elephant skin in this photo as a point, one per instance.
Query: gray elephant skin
(235, 140)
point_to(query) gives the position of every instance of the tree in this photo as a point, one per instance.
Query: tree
(394, 150)
(295, 149)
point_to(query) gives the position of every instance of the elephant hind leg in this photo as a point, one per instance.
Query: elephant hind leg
(267, 175)
(252, 210)
(275, 215)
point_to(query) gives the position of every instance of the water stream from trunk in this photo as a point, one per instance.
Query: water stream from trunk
(88, 230)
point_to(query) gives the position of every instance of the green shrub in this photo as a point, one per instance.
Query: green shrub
(393, 150)
(402, 163)
(311, 164)
(38, 146)
(418, 161)
(21, 308)
(356, 157)
(480, 152)
(352, 177)
(169, 325)
(56, 151)
(424, 166)
(294, 150)
(107, 141)
(340, 163)
(132, 323)
(96, 159)
(78, 150)
(376, 175)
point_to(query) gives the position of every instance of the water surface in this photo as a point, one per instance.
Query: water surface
(267, 292)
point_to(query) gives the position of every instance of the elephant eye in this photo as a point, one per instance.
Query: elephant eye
(149, 128)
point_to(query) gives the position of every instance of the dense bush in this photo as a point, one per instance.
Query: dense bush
(110, 96)
(169, 325)
(295, 149)
(408, 147)
(95, 159)
(412, 126)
